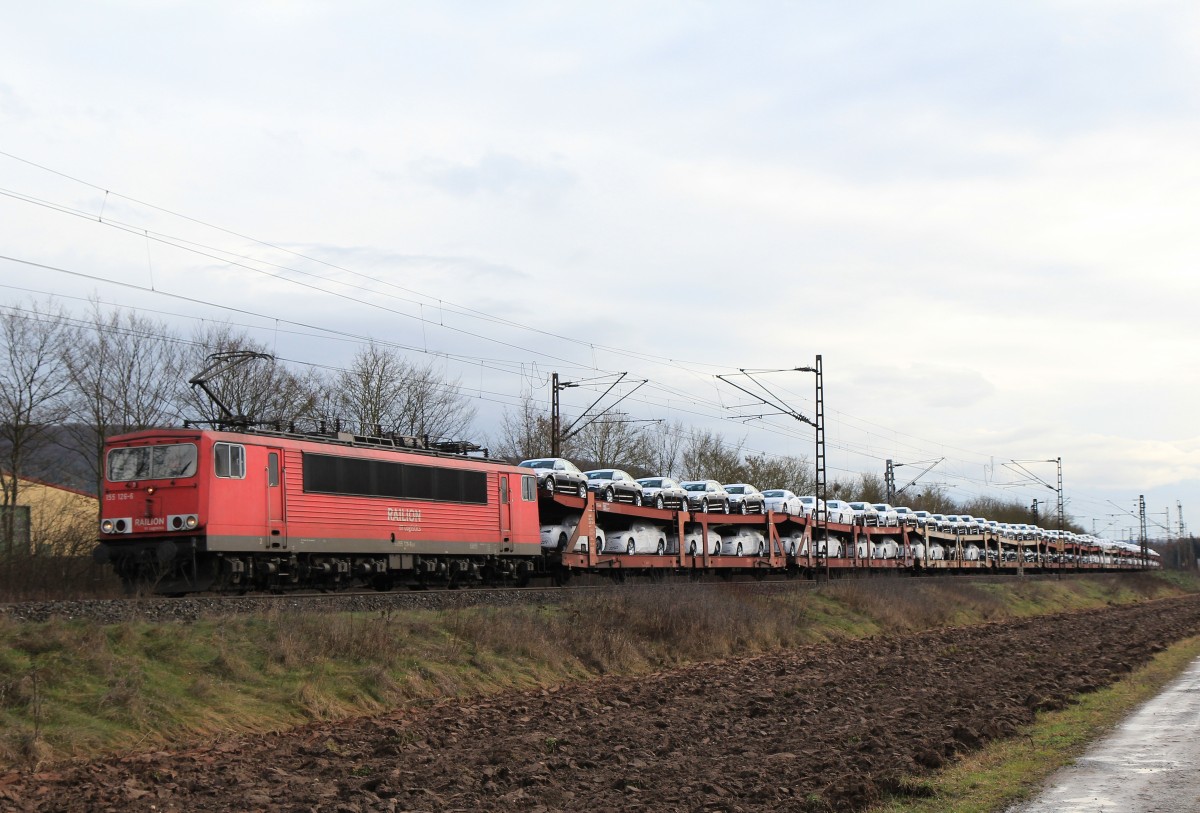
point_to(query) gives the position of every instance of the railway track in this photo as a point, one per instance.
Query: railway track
(156, 609)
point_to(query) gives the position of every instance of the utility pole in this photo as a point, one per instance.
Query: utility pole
(555, 445)
(1182, 527)
(889, 482)
(1142, 521)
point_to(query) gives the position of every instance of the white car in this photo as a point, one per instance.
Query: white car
(794, 544)
(693, 544)
(907, 516)
(970, 553)
(810, 504)
(828, 546)
(865, 513)
(639, 537)
(556, 536)
(887, 514)
(744, 542)
(782, 501)
(936, 552)
(839, 511)
(888, 548)
(867, 549)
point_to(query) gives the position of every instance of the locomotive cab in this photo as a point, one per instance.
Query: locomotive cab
(171, 497)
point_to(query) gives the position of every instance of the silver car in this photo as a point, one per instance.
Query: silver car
(865, 513)
(614, 485)
(745, 498)
(662, 492)
(558, 475)
(706, 495)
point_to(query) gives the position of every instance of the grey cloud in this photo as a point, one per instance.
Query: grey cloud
(496, 174)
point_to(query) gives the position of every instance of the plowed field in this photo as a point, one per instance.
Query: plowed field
(827, 727)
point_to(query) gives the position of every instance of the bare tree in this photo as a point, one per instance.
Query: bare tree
(432, 405)
(612, 440)
(33, 382)
(124, 371)
(261, 390)
(780, 471)
(524, 431)
(708, 455)
(384, 392)
(664, 445)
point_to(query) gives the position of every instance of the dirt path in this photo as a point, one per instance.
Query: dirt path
(823, 728)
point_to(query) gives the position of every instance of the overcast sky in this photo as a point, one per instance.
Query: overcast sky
(983, 216)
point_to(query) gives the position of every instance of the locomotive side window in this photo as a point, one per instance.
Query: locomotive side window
(273, 469)
(503, 489)
(528, 488)
(328, 474)
(152, 462)
(230, 460)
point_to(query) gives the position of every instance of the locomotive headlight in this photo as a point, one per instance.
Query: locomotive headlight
(106, 526)
(191, 521)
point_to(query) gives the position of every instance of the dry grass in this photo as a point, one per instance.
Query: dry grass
(78, 688)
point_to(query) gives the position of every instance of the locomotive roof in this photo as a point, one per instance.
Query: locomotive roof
(399, 444)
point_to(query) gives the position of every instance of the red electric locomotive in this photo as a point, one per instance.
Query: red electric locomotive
(192, 509)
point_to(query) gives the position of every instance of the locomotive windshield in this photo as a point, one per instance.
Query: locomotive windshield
(152, 462)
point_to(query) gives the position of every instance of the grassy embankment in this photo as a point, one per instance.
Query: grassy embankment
(78, 688)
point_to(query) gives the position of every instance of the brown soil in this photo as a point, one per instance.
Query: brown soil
(829, 727)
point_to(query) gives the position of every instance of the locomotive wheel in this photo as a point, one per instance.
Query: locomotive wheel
(658, 501)
(609, 494)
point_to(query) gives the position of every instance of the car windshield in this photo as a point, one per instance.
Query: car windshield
(773, 493)
(651, 483)
(735, 489)
(600, 475)
(694, 486)
(537, 464)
